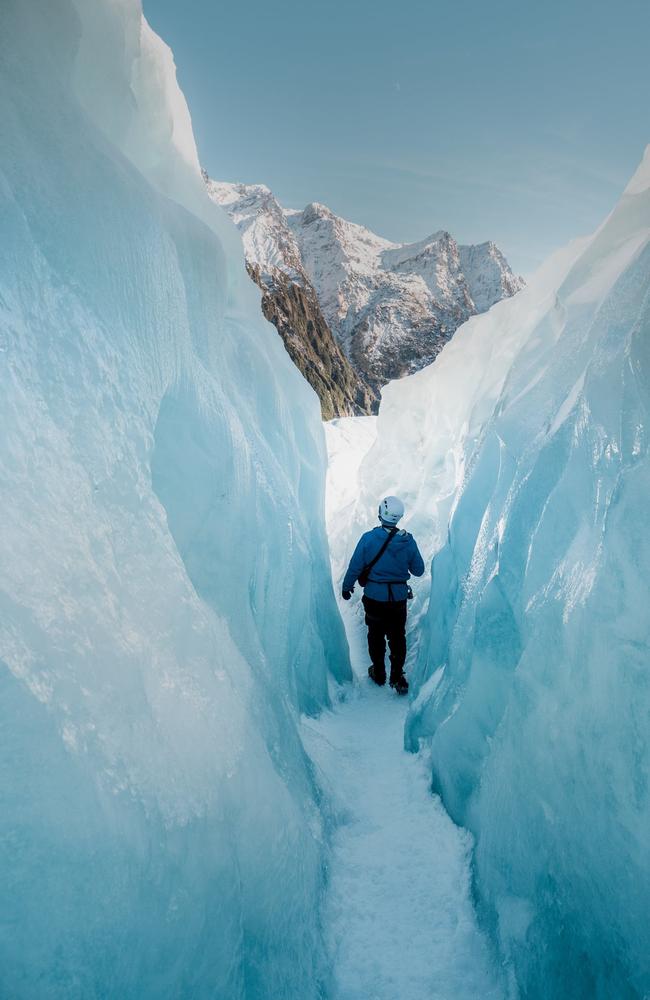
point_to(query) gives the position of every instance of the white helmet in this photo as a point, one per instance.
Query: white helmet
(391, 509)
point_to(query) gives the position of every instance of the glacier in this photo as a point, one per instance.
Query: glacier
(166, 608)
(168, 627)
(522, 457)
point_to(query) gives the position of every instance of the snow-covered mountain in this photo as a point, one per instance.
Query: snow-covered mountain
(390, 306)
(290, 300)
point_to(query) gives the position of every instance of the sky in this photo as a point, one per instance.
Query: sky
(519, 122)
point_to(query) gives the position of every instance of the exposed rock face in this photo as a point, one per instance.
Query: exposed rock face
(390, 307)
(296, 314)
(290, 302)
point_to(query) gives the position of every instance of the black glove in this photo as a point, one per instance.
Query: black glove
(347, 594)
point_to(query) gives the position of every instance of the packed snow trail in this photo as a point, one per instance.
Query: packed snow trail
(398, 916)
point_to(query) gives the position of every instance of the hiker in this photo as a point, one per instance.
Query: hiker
(382, 562)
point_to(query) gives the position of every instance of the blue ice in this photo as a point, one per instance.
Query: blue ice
(165, 603)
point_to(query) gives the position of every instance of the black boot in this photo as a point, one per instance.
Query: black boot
(400, 684)
(377, 676)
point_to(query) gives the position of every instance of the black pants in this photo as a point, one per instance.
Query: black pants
(386, 620)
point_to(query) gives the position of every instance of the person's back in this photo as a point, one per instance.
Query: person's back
(382, 562)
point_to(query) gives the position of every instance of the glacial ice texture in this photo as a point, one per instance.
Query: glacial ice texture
(522, 456)
(165, 601)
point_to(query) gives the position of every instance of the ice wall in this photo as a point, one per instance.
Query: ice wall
(523, 456)
(165, 601)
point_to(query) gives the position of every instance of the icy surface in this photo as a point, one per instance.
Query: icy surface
(165, 600)
(348, 441)
(522, 456)
(398, 916)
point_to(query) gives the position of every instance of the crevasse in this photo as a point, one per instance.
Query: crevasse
(165, 607)
(165, 603)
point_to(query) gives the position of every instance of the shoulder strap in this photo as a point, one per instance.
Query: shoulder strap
(368, 567)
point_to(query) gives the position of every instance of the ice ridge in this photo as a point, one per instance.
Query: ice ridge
(165, 603)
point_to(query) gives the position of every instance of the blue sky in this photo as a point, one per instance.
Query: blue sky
(519, 122)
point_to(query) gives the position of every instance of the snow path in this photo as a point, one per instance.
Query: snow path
(398, 915)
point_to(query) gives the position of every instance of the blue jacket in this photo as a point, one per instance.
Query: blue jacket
(401, 558)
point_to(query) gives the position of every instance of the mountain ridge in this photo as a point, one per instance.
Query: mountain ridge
(389, 307)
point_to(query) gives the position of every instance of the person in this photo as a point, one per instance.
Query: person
(388, 556)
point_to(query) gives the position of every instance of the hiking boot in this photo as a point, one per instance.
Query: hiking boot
(376, 676)
(400, 684)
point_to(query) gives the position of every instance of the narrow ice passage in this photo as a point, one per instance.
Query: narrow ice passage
(399, 920)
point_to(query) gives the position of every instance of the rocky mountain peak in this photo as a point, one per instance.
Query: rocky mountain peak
(390, 307)
(314, 212)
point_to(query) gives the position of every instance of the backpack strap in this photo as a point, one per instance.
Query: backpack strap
(365, 572)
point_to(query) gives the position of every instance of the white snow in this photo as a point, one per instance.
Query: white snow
(348, 441)
(269, 243)
(398, 916)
